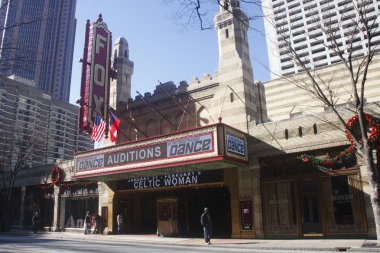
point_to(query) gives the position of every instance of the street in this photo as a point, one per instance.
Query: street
(41, 244)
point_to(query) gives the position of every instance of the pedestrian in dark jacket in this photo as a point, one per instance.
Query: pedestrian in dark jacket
(97, 224)
(35, 222)
(207, 225)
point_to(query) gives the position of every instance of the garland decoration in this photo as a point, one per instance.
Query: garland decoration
(70, 188)
(322, 164)
(374, 129)
(47, 188)
(56, 175)
(84, 184)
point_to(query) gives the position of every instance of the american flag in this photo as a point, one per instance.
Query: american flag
(98, 129)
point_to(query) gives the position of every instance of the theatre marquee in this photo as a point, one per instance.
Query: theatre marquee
(206, 144)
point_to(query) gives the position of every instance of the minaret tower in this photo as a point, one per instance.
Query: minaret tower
(243, 100)
(232, 25)
(120, 89)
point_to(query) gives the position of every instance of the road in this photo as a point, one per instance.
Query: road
(40, 244)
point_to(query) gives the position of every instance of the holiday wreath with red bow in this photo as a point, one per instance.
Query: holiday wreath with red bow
(56, 175)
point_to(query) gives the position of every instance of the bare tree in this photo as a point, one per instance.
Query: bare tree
(17, 150)
(200, 13)
(359, 30)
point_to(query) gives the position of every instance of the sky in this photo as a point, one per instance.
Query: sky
(161, 49)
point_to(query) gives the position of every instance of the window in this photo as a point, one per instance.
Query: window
(232, 97)
(314, 43)
(329, 15)
(298, 25)
(227, 35)
(318, 50)
(293, 6)
(323, 57)
(315, 129)
(344, 197)
(287, 67)
(225, 5)
(300, 47)
(313, 13)
(296, 19)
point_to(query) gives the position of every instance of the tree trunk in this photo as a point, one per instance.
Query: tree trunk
(373, 181)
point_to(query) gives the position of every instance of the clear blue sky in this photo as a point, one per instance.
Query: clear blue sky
(160, 49)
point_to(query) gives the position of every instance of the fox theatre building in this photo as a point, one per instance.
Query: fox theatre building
(161, 185)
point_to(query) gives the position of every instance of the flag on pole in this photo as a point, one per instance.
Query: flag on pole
(98, 129)
(114, 126)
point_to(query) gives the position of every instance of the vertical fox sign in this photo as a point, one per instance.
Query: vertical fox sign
(96, 70)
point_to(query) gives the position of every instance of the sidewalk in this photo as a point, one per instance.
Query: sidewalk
(352, 245)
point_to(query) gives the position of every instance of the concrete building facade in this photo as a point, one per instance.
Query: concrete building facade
(297, 23)
(49, 126)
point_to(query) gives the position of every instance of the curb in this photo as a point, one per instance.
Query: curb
(192, 242)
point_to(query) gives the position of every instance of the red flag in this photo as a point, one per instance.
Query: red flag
(114, 126)
(98, 129)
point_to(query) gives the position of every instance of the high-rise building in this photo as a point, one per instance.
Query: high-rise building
(36, 129)
(297, 21)
(37, 43)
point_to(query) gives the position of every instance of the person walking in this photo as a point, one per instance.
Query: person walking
(207, 225)
(35, 222)
(87, 223)
(119, 220)
(97, 224)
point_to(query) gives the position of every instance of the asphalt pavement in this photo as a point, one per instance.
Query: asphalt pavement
(352, 245)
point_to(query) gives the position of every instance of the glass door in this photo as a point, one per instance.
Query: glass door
(311, 224)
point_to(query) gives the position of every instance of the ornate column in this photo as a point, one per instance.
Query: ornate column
(57, 208)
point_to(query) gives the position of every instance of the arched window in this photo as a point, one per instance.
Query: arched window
(203, 117)
(151, 128)
(166, 127)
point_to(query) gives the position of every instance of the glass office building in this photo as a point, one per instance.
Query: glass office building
(37, 43)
